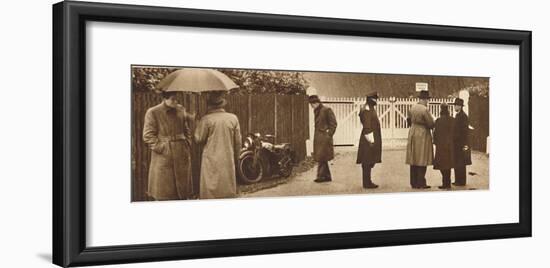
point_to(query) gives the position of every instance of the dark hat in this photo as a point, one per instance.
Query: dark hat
(372, 95)
(216, 99)
(167, 94)
(459, 102)
(314, 99)
(424, 94)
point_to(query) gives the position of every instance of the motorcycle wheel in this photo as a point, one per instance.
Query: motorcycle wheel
(249, 173)
(286, 172)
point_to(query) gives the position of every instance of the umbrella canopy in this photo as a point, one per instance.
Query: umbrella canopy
(196, 80)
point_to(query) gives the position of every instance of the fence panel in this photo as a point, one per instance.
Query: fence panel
(479, 118)
(283, 118)
(238, 105)
(300, 131)
(263, 114)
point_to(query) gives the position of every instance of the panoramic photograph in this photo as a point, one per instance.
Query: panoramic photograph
(214, 133)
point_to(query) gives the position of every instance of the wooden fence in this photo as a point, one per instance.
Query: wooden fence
(479, 120)
(285, 116)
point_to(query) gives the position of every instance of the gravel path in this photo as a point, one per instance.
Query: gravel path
(392, 175)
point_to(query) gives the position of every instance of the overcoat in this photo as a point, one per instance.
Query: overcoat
(444, 143)
(369, 153)
(419, 142)
(461, 139)
(167, 132)
(220, 133)
(325, 126)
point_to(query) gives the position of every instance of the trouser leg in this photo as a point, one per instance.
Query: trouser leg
(367, 168)
(327, 172)
(323, 171)
(446, 177)
(460, 175)
(413, 176)
(421, 176)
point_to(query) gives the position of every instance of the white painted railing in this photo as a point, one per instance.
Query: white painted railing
(392, 113)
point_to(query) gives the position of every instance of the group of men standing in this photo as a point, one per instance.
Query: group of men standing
(450, 137)
(170, 132)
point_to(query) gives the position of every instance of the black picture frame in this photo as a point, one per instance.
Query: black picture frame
(69, 133)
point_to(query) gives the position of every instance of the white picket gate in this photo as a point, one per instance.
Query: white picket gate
(392, 113)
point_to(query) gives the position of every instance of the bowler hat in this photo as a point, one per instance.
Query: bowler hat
(216, 99)
(424, 94)
(459, 102)
(314, 99)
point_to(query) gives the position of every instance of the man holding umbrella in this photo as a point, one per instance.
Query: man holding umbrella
(218, 131)
(167, 131)
(370, 141)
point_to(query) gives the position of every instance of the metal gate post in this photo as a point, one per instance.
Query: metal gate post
(392, 121)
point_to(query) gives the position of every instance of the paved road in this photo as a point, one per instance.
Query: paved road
(392, 176)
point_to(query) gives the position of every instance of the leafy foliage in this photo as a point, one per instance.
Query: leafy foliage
(260, 81)
(146, 78)
(479, 87)
(249, 81)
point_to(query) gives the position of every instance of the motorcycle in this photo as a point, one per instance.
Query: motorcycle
(261, 158)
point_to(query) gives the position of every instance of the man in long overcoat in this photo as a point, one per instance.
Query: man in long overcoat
(325, 126)
(370, 142)
(419, 142)
(462, 152)
(220, 133)
(167, 131)
(444, 146)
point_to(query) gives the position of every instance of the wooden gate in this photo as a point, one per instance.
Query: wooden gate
(392, 113)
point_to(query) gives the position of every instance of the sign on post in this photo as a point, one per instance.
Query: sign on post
(421, 86)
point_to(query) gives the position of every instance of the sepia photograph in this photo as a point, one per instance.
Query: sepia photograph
(212, 133)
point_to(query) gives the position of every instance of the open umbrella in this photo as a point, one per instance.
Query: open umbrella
(196, 80)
